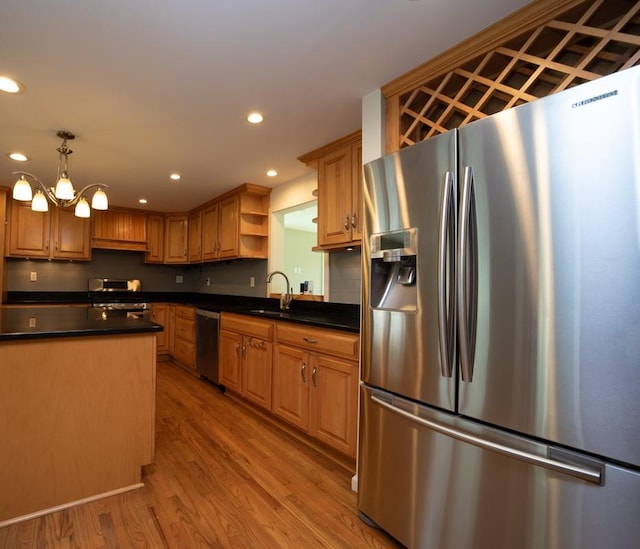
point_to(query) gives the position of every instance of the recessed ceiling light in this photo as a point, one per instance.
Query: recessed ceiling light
(19, 157)
(255, 118)
(143, 201)
(175, 176)
(272, 173)
(10, 85)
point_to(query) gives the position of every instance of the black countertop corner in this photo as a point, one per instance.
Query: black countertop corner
(56, 322)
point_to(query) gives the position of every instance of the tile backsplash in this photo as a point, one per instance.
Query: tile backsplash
(228, 278)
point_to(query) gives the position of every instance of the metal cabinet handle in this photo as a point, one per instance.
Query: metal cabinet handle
(354, 221)
(237, 348)
(310, 339)
(313, 376)
(302, 371)
(346, 223)
(582, 472)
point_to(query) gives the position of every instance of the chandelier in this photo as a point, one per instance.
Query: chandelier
(63, 194)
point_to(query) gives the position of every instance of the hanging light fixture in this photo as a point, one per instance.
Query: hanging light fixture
(63, 194)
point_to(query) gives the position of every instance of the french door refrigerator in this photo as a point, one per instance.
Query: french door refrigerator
(500, 388)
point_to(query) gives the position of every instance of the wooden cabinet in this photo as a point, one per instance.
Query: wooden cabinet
(185, 336)
(195, 237)
(340, 182)
(120, 229)
(228, 227)
(155, 239)
(56, 234)
(159, 315)
(176, 238)
(170, 328)
(246, 354)
(315, 383)
(210, 232)
(236, 225)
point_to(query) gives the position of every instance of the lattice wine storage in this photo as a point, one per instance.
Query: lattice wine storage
(583, 42)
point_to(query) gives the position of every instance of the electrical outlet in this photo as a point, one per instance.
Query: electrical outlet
(33, 276)
(179, 279)
(207, 281)
(252, 282)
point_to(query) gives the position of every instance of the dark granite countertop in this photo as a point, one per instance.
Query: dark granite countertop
(54, 322)
(316, 313)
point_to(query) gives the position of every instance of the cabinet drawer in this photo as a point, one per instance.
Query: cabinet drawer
(185, 330)
(185, 312)
(185, 353)
(248, 325)
(331, 342)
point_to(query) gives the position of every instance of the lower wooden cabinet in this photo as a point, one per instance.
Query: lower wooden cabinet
(246, 355)
(184, 350)
(159, 315)
(315, 383)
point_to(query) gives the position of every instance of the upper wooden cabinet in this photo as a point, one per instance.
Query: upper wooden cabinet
(57, 234)
(195, 237)
(176, 238)
(209, 229)
(233, 226)
(236, 225)
(339, 166)
(119, 229)
(155, 239)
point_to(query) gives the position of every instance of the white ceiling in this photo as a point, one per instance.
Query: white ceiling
(150, 87)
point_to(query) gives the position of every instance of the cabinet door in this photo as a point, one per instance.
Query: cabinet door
(228, 227)
(175, 239)
(155, 239)
(210, 232)
(334, 197)
(159, 315)
(291, 386)
(356, 193)
(257, 370)
(29, 231)
(230, 359)
(70, 235)
(170, 328)
(334, 394)
(195, 237)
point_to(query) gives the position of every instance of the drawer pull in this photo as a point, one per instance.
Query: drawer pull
(310, 339)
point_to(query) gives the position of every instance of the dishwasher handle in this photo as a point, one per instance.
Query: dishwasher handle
(208, 314)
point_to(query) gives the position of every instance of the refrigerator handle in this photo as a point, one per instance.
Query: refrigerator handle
(462, 274)
(592, 474)
(444, 333)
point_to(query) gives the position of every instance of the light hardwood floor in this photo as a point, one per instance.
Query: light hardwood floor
(222, 477)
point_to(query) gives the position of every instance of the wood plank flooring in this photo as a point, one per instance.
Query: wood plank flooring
(222, 477)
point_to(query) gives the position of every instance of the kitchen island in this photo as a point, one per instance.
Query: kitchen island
(77, 407)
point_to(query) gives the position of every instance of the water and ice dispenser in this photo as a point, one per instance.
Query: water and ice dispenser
(394, 270)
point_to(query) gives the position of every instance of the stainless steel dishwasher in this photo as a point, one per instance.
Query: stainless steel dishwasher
(207, 336)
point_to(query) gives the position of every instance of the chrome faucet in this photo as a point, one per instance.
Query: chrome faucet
(285, 298)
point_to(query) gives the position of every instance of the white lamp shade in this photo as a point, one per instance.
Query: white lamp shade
(22, 190)
(100, 200)
(82, 208)
(64, 188)
(39, 202)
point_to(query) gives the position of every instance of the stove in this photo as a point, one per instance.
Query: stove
(117, 297)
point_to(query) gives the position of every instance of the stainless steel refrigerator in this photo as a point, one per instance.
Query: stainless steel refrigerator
(500, 394)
